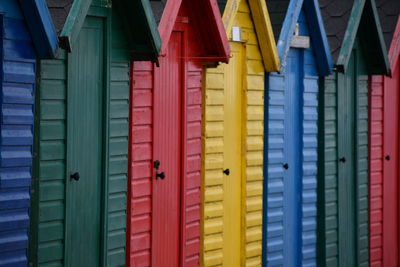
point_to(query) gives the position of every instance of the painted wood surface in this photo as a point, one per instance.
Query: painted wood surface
(143, 239)
(18, 66)
(291, 158)
(41, 27)
(211, 27)
(384, 163)
(364, 23)
(167, 150)
(49, 219)
(84, 147)
(233, 139)
(343, 167)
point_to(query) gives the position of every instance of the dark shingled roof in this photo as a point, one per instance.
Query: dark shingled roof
(158, 8)
(389, 11)
(277, 11)
(59, 10)
(336, 14)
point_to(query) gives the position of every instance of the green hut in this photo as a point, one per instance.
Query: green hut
(79, 197)
(358, 48)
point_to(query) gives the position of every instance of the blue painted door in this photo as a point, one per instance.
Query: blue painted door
(292, 169)
(291, 161)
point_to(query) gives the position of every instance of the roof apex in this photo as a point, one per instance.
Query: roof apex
(41, 26)
(364, 23)
(211, 19)
(262, 24)
(142, 22)
(317, 32)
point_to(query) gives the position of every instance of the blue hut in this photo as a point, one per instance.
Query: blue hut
(27, 34)
(291, 116)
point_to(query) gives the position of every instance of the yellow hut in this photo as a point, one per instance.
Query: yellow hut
(232, 184)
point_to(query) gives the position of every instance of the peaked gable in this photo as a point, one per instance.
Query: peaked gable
(263, 27)
(361, 22)
(208, 22)
(137, 16)
(286, 25)
(41, 27)
(388, 11)
(394, 52)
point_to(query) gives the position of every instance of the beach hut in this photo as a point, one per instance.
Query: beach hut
(290, 202)
(358, 48)
(233, 129)
(79, 203)
(385, 147)
(165, 135)
(26, 35)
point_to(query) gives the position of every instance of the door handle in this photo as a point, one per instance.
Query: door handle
(285, 166)
(75, 176)
(342, 159)
(387, 157)
(161, 175)
(226, 172)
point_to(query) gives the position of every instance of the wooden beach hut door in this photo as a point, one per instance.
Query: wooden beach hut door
(292, 166)
(85, 179)
(168, 152)
(232, 180)
(352, 177)
(391, 189)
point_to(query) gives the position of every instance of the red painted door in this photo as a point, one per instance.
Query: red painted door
(391, 205)
(167, 149)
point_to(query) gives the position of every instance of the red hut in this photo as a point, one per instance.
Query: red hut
(385, 149)
(165, 135)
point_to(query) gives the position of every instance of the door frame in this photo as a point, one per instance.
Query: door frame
(181, 27)
(105, 14)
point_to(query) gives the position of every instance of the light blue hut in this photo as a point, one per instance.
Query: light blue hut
(291, 134)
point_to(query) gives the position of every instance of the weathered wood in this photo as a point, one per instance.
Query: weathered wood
(74, 23)
(265, 35)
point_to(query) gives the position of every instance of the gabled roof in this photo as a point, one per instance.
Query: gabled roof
(41, 27)
(388, 11)
(262, 24)
(69, 16)
(209, 22)
(285, 15)
(347, 20)
(394, 52)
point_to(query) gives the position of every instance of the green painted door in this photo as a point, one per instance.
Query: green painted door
(346, 165)
(84, 147)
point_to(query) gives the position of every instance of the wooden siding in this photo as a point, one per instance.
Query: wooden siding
(197, 48)
(279, 207)
(18, 66)
(329, 229)
(362, 104)
(141, 166)
(50, 162)
(376, 176)
(213, 143)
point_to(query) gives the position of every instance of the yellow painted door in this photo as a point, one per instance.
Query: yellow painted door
(233, 157)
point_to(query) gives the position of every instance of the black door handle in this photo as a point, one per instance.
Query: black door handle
(161, 175)
(285, 166)
(387, 157)
(226, 172)
(75, 176)
(342, 159)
